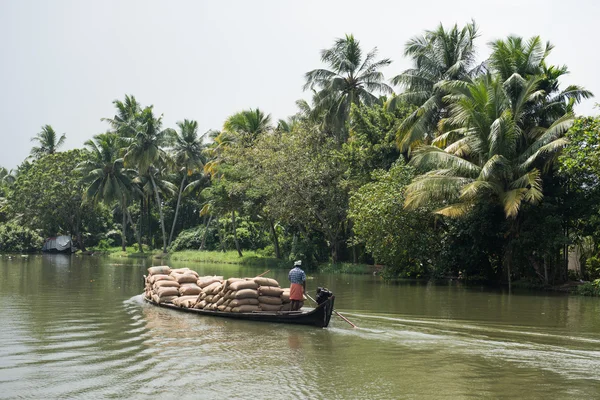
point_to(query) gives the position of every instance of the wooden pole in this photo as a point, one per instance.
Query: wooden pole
(264, 273)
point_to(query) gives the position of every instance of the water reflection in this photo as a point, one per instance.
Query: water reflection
(76, 327)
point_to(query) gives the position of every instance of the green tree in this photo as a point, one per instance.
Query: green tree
(438, 56)
(188, 157)
(351, 79)
(107, 179)
(48, 142)
(48, 196)
(494, 152)
(146, 151)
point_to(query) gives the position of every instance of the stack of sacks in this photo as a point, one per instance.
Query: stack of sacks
(209, 286)
(161, 287)
(188, 290)
(241, 295)
(269, 297)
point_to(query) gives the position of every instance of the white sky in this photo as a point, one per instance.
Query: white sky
(63, 62)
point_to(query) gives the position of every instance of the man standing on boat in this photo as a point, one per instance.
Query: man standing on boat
(298, 285)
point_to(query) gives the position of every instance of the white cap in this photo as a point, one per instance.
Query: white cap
(297, 263)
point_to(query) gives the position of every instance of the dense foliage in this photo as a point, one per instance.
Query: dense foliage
(478, 169)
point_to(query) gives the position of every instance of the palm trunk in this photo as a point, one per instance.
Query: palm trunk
(138, 232)
(275, 239)
(123, 231)
(160, 213)
(176, 209)
(235, 239)
(205, 233)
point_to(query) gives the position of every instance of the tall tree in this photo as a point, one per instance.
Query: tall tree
(493, 151)
(146, 151)
(107, 179)
(351, 79)
(48, 142)
(188, 156)
(438, 56)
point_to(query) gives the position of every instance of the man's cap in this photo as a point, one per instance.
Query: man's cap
(297, 263)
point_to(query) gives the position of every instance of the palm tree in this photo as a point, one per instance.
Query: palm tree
(107, 179)
(494, 151)
(125, 120)
(245, 126)
(145, 151)
(48, 143)
(350, 79)
(438, 56)
(188, 156)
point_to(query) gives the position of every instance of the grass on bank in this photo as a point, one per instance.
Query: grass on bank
(346, 268)
(230, 257)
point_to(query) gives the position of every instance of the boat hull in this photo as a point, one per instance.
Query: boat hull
(318, 317)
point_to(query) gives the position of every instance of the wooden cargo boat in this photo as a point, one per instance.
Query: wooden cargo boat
(319, 316)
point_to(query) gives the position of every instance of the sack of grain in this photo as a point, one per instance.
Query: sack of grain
(227, 309)
(189, 289)
(208, 298)
(200, 305)
(245, 293)
(208, 280)
(188, 303)
(167, 299)
(221, 308)
(239, 285)
(243, 302)
(160, 277)
(270, 291)
(266, 282)
(162, 270)
(160, 284)
(285, 296)
(167, 291)
(184, 271)
(220, 301)
(226, 302)
(213, 288)
(276, 301)
(183, 301)
(185, 278)
(230, 281)
(269, 307)
(245, 309)
(216, 298)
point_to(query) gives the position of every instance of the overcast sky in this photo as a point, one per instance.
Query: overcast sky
(64, 62)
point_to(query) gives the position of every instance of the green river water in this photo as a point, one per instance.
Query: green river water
(75, 327)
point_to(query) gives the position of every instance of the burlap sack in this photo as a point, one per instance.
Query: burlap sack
(269, 307)
(262, 281)
(216, 298)
(180, 300)
(200, 305)
(189, 303)
(208, 298)
(162, 270)
(189, 289)
(208, 280)
(184, 271)
(239, 285)
(276, 301)
(285, 295)
(167, 291)
(213, 288)
(245, 309)
(160, 284)
(230, 281)
(226, 302)
(242, 302)
(168, 299)
(245, 293)
(227, 309)
(160, 277)
(270, 291)
(185, 278)
(221, 308)
(220, 302)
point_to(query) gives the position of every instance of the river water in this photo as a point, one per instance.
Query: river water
(75, 327)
